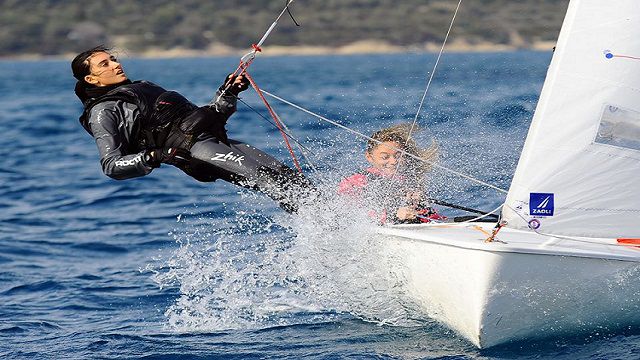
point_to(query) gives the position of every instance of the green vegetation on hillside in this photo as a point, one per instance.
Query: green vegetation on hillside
(53, 27)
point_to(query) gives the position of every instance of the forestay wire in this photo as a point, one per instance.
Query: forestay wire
(435, 66)
(433, 71)
(357, 133)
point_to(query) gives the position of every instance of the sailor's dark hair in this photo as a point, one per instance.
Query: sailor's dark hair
(80, 64)
(81, 68)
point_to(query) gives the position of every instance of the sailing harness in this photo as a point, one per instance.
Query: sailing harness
(168, 119)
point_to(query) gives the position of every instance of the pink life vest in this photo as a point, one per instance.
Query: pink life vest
(355, 185)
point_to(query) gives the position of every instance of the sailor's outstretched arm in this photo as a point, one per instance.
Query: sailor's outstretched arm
(107, 121)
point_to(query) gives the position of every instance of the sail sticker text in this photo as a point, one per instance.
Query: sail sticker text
(541, 204)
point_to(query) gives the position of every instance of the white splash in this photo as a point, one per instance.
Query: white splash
(251, 271)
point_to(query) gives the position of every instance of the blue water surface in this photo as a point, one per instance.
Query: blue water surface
(165, 267)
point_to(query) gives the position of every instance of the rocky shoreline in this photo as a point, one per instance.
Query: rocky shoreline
(360, 47)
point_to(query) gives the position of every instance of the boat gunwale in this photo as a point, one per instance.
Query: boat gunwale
(400, 231)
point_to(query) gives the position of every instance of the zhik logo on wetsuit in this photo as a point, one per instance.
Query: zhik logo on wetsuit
(230, 156)
(541, 204)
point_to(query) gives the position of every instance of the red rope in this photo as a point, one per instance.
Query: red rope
(242, 70)
(275, 118)
(495, 231)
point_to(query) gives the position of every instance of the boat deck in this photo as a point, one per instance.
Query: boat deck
(473, 236)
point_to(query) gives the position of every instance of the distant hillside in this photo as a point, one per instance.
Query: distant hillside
(50, 27)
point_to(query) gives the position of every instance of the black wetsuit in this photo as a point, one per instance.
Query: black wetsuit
(134, 118)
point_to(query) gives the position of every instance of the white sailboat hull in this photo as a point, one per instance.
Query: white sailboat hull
(527, 286)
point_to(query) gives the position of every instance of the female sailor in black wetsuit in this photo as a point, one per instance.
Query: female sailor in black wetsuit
(139, 125)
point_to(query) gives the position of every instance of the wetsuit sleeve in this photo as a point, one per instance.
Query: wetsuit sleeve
(110, 124)
(224, 105)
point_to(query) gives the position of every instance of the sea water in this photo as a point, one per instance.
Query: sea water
(164, 267)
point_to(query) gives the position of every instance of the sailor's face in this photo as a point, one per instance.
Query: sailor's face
(105, 70)
(385, 157)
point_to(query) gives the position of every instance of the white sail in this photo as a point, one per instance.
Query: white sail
(579, 172)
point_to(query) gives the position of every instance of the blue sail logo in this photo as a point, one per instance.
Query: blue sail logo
(541, 204)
